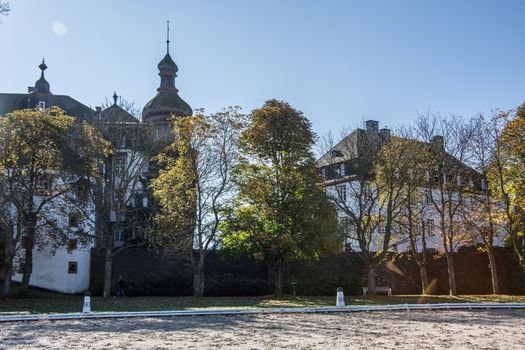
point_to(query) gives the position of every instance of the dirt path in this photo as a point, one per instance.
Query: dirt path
(378, 330)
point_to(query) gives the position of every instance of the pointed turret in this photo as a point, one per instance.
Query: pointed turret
(167, 102)
(41, 85)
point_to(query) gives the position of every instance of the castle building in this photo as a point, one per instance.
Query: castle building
(67, 269)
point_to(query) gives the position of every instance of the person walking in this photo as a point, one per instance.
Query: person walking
(120, 287)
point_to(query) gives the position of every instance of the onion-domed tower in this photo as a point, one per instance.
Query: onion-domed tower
(40, 94)
(167, 102)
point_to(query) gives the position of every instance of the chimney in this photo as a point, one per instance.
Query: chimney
(372, 126)
(385, 134)
(30, 89)
(97, 112)
(437, 143)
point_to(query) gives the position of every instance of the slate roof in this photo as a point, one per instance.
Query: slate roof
(166, 102)
(346, 148)
(12, 102)
(168, 64)
(116, 114)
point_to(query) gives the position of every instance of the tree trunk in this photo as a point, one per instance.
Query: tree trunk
(108, 271)
(109, 241)
(278, 283)
(9, 255)
(493, 270)
(371, 273)
(424, 277)
(26, 272)
(451, 273)
(28, 261)
(6, 285)
(425, 283)
(198, 277)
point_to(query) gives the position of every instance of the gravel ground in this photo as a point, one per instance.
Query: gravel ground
(496, 329)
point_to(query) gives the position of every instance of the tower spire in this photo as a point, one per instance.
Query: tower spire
(41, 85)
(42, 67)
(168, 38)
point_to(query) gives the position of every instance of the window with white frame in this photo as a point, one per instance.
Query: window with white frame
(341, 192)
(430, 227)
(119, 237)
(120, 164)
(72, 267)
(336, 170)
(42, 105)
(123, 141)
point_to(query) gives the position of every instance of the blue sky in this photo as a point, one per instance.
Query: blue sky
(339, 62)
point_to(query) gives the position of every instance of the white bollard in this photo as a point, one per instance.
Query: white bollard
(87, 303)
(340, 302)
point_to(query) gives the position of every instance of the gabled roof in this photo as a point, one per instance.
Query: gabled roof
(116, 114)
(346, 149)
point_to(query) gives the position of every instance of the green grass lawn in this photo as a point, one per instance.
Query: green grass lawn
(48, 302)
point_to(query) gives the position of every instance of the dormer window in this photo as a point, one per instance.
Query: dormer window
(123, 141)
(42, 105)
(336, 153)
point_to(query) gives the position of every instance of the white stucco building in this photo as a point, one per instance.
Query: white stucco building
(356, 199)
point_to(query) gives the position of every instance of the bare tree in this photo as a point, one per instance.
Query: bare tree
(348, 168)
(483, 218)
(123, 195)
(448, 178)
(400, 169)
(4, 8)
(194, 187)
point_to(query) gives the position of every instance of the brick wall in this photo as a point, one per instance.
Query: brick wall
(472, 273)
(150, 273)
